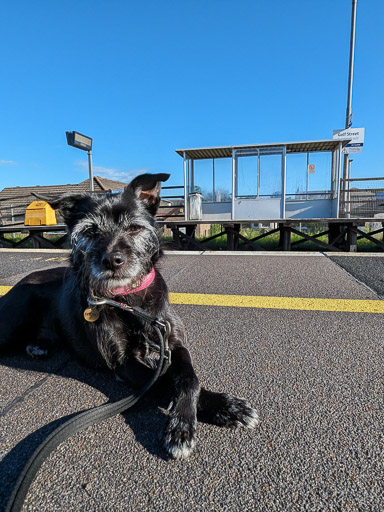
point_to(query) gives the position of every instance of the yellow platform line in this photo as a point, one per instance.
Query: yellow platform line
(262, 302)
(4, 289)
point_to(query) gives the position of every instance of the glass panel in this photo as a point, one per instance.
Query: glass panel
(296, 175)
(202, 178)
(259, 176)
(247, 176)
(319, 175)
(320, 181)
(212, 186)
(223, 180)
(270, 175)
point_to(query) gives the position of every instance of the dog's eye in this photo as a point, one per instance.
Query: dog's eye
(90, 231)
(133, 228)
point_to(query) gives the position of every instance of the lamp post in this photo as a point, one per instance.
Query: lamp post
(80, 141)
(348, 115)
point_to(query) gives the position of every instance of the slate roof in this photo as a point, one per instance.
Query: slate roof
(14, 200)
(99, 184)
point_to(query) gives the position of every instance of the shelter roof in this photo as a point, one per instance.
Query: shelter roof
(291, 147)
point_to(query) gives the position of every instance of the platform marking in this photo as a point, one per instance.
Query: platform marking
(293, 303)
(265, 302)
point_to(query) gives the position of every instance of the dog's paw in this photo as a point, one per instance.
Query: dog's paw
(233, 412)
(179, 437)
(36, 352)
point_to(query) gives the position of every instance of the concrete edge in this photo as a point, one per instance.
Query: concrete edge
(277, 253)
(221, 253)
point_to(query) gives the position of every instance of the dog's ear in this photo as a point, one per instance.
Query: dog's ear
(71, 206)
(147, 188)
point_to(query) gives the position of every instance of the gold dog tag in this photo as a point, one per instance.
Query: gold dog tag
(91, 315)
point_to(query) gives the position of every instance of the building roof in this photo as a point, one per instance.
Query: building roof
(291, 147)
(99, 185)
(13, 200)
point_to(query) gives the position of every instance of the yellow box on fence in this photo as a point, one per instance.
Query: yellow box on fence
(40, 213)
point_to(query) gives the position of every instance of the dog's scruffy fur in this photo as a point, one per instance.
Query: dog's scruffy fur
(115, 243)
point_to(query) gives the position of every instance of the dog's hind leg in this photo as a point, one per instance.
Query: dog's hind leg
(225, 410)
(24, 321)
(14, 311)
(179, 436)
(41, 344)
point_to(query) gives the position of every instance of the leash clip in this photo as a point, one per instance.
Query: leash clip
(96, 302)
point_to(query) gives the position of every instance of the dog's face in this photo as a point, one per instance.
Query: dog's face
(114, 239)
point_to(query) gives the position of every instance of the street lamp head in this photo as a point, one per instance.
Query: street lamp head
(79, 141)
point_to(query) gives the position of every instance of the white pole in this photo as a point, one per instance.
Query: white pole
(284, 184)
(348, 115)
(233, 183)
(185, 188)
(90, 170)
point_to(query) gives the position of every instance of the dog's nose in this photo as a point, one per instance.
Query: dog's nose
(113, 260)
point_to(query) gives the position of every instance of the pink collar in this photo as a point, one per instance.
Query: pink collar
(145, 282)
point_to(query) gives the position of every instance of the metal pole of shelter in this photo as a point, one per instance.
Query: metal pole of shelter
(307, 175)
(348, 115)
(338, 180)
(233, 183)
(284, 183)
(185, 188)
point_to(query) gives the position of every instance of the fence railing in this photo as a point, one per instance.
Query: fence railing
(172, 205)
(12, 210)
(361, 201)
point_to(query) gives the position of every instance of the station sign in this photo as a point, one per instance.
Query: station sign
(355, 136)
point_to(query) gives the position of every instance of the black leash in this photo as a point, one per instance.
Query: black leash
(84, 419)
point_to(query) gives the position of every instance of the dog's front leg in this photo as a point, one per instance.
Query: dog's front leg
(179, 436)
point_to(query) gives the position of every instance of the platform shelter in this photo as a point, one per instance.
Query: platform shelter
(288, 180)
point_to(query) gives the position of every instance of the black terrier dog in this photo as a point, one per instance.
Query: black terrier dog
(115, 247)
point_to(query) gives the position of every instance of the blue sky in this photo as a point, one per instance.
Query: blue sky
(144, 78)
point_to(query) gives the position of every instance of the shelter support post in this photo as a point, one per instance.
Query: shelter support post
(337, 235)
(285, 237)
(351, 239)
(186, 212)
(232, 237)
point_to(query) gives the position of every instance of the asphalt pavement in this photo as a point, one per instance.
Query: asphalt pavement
(316, 378)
